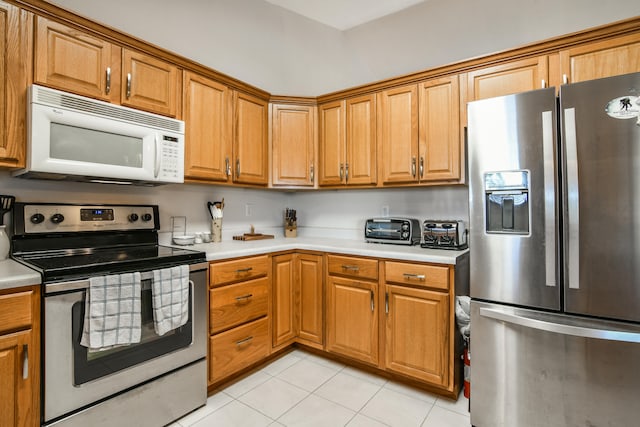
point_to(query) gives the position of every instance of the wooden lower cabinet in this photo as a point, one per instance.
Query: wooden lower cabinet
(417, 333)
(352, 320)
(284, 304)
(20, 358)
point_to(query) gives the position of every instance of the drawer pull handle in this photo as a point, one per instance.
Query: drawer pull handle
(244, 270)
(410, 276)
(244, 340)
(244, 297)
(373, 305)
(25, 361)
(350, 267)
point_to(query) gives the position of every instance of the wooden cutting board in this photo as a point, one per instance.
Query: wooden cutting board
(253, 236)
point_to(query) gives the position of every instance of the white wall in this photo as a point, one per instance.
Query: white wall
(287, 54)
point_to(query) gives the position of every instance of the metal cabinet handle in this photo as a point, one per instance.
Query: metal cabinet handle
(244, 340)
(227, 166)
(107, 88)
(421, 166)
(413, 167)
(543, 83)
(410, 276)
(128, 85)
(373, 304)
(237, 168)
(25, 361)
(565, 79)
(244, 270)
(341, 171)
(350, 267)
(311, 173)
(386, 302)
(244, 297)
(346, 172)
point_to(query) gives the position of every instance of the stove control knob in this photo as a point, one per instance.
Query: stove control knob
(133, 217)
(37, 218)
(146, 217)
(57, 218)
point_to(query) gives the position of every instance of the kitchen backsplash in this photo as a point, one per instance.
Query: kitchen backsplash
(329, 213)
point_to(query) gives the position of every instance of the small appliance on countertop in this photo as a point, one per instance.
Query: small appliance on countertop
(397, 230)
(444, 234)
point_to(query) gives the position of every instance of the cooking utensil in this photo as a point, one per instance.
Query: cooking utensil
(6, 205)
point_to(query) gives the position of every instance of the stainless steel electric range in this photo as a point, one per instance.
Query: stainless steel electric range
(148, 383)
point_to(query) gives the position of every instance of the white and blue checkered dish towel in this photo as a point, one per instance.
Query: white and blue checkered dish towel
(170, 292)
(112, 311)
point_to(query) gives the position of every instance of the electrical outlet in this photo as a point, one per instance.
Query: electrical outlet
(385, 211)
(248, 209)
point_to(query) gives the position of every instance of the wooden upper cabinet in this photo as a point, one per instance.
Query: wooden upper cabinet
(250, 140)
(332, 143)
(440, 138)
(15, 63)
(293, 145)
(620, 55)
(74, 61)
(207, 113)
(508, 78)
(360, 165)
(150, 84)
(398, 134)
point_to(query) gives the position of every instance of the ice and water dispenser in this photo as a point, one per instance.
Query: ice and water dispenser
(507, 202)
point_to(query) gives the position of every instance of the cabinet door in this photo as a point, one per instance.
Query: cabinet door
(16, 391)
(417, 337)
(207, 115)
(352, 323)
(505, 79)
(607, 58)
(250, 140)
(150, 84)
(439, 129)
(309, 296)
(15, 42)
(293, 145)
(360, 167)
(398, 134)
(332, 143)
(284, 321)
(75, 61)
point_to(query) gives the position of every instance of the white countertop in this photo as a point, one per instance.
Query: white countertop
(237, 248)
(13, 275)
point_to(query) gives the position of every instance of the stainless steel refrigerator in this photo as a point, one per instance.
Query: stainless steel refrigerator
(554, 199)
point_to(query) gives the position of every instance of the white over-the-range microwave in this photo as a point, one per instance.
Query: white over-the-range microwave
(71, 137)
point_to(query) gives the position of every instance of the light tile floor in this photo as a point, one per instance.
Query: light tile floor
(302, 389)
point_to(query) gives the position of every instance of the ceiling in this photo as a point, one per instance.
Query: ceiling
(344, 14)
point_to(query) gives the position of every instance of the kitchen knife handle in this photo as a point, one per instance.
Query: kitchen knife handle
(237, 168)
(244, 340)
(311, 173)
(572, 197)
(244, 297)
(421, 166)
(25, 361)
(373, 304)
(386, 302)
(549, 175)
(227, 166)
(128, 85)
(107, 87)
(413, 167)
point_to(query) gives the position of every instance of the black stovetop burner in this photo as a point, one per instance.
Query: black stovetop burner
(75, 242)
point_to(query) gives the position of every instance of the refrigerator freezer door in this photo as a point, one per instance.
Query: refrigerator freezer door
(513, 199)
(601, 146)
(536, 369)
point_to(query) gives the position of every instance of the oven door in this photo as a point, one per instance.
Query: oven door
(75, 377)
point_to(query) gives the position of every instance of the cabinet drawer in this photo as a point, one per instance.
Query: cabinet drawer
(238, 348)
(353, 267)
(232, 305)
(239, 269)
(431, 276)
(15, 311)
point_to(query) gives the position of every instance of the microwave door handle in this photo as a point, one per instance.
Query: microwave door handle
(156, 170)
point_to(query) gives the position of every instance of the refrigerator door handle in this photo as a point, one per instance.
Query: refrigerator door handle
(549, 198)
(573, 229)
(560, 328)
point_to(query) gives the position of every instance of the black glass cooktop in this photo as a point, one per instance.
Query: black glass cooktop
(76, 264)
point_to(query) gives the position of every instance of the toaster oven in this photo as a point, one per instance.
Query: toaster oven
(400, 231)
